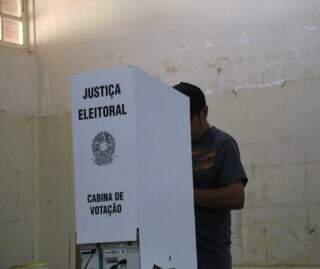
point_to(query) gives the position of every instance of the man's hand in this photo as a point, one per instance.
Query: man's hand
(230, 197)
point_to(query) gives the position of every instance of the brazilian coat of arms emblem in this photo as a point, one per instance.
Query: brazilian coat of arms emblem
(103, 148)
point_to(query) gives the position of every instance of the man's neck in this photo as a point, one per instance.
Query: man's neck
(205, 128)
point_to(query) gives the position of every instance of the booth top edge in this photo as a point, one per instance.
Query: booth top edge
(129, 69)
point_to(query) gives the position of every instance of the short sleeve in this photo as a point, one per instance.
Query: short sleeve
(231, 169)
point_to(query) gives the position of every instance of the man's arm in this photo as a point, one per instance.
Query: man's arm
(230, 197)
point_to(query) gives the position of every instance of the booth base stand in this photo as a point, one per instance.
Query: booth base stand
(124, 255)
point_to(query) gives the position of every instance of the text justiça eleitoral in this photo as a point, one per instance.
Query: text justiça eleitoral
(106, 111)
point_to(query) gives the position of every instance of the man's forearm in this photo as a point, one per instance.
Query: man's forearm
(230, 197)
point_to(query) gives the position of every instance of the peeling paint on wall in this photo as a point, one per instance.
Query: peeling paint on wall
(309, 28)
(244, 39)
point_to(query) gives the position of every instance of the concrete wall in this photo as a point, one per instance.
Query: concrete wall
(18, 157)
(259, 64)
(277, 130)
(56, 232)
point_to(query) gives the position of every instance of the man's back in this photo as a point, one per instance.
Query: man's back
(216, 164)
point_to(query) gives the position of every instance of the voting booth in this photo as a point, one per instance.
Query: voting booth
(132, 171)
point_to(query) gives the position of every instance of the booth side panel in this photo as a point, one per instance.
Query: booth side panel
(166, 210)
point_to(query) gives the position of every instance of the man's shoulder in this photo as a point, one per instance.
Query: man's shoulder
(221, 137)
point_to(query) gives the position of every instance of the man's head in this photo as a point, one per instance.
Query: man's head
(198, 108)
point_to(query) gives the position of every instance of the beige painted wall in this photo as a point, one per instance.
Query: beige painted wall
(18, 81)
(259, 64)
(18, 157)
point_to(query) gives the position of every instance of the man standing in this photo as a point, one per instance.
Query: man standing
(219, 181)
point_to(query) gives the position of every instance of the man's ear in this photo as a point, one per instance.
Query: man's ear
(205, 110)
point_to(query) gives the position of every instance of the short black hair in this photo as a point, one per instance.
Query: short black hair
(195, 94)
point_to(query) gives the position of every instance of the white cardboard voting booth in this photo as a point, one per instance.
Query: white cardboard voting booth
(132, 165)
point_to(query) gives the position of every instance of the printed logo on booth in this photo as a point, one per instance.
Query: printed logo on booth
(103, 148)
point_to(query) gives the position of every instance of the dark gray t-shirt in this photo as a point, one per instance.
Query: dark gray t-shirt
(216, 163)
